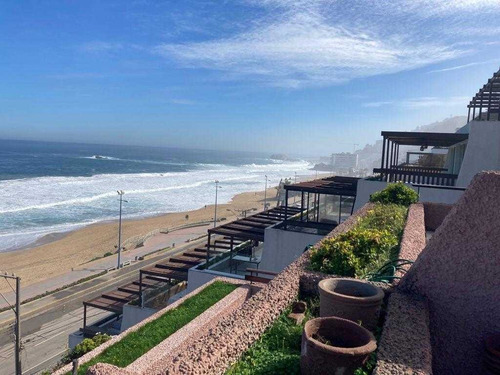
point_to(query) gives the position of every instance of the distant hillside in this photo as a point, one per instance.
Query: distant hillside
(449, 125)
(369, 156)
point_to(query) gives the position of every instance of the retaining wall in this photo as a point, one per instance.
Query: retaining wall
(458, 273)
(109, 369)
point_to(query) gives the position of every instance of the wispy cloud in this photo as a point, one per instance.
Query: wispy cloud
(317, 42)
(463, 66)
(422, 102)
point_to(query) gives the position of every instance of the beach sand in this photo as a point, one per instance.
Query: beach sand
(58, 253)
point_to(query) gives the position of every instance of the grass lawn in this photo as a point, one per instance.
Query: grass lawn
(135, 344)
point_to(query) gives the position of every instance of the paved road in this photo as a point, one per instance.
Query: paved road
(46, 323)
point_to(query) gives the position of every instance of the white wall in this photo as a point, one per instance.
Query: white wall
(197, 278)
(282, 247)
(365, 189)
(134, 314)
(483, 150)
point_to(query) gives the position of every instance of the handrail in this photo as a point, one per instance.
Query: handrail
(416, 176)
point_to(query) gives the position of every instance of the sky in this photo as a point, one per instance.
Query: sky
(302, 77)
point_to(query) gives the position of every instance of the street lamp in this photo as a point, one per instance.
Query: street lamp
(265, 195)
(120, 193)
(217, 187)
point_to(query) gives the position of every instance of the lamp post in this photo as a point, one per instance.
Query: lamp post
(120, 193)
(265, 194)
(217, 187)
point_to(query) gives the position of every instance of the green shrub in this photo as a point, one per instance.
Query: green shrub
(86, 346)
(351, 253)
(397, 193)
(366, 247)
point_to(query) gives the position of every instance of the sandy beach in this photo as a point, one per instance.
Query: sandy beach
(59, 253)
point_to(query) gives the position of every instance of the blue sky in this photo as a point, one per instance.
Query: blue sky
(303, 76)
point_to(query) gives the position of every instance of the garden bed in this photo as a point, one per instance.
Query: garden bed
(136, 343)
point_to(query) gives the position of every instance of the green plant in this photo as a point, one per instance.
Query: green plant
(363, 249)
(136, 343)
(278, 350)
(350, 253)
(397, 193)
(87, 345)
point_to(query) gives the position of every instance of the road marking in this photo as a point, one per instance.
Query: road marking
(41, 363)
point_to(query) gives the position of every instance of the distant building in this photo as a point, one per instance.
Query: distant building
(344, 160)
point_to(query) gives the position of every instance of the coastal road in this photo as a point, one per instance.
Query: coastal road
(47, 322)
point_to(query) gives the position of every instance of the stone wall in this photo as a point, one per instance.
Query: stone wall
(405, 346)
(413, 239)
(458, 273)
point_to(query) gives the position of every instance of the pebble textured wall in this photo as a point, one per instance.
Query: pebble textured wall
(459, 274)
(405, 346)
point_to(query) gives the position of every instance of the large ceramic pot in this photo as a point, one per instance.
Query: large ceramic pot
(351, 299)
(492, 355)
(334, 346)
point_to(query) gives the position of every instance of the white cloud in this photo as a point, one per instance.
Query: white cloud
(422, 102)
(317, 42)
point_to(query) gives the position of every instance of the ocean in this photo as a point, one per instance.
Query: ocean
(57, 187)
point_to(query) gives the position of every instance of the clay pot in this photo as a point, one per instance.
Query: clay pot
(492, 355)
(334, 346)
(351, 299)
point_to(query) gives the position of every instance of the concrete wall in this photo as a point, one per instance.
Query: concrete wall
(134, 314)
(197, 278)
(365, 189)
(282, 247)
(434, 195)
(483, 151)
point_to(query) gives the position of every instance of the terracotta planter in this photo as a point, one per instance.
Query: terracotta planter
(334, 346)
(492, 355)
(351, 299)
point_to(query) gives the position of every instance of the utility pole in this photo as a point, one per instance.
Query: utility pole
(265, 195)
(217, 187)
(17, 312)
(120, 193)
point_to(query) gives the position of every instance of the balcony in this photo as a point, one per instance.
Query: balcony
(426, 170)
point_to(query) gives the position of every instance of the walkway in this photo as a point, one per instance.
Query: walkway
(155, 243)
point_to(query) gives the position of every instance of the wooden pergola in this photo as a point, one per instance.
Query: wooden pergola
(390, 170)
(245, 229)
(337, 185)
(487, 99)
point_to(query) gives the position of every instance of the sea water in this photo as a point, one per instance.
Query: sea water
(57, 187)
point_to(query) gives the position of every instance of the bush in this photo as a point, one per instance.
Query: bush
(351, 253)
(397, 193)
(366, 247)
(86, 346)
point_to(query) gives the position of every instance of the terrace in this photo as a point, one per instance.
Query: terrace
(428, 169)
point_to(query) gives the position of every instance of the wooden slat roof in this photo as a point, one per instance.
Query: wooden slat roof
(336, 185)
(252, 227)
(425, 138)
